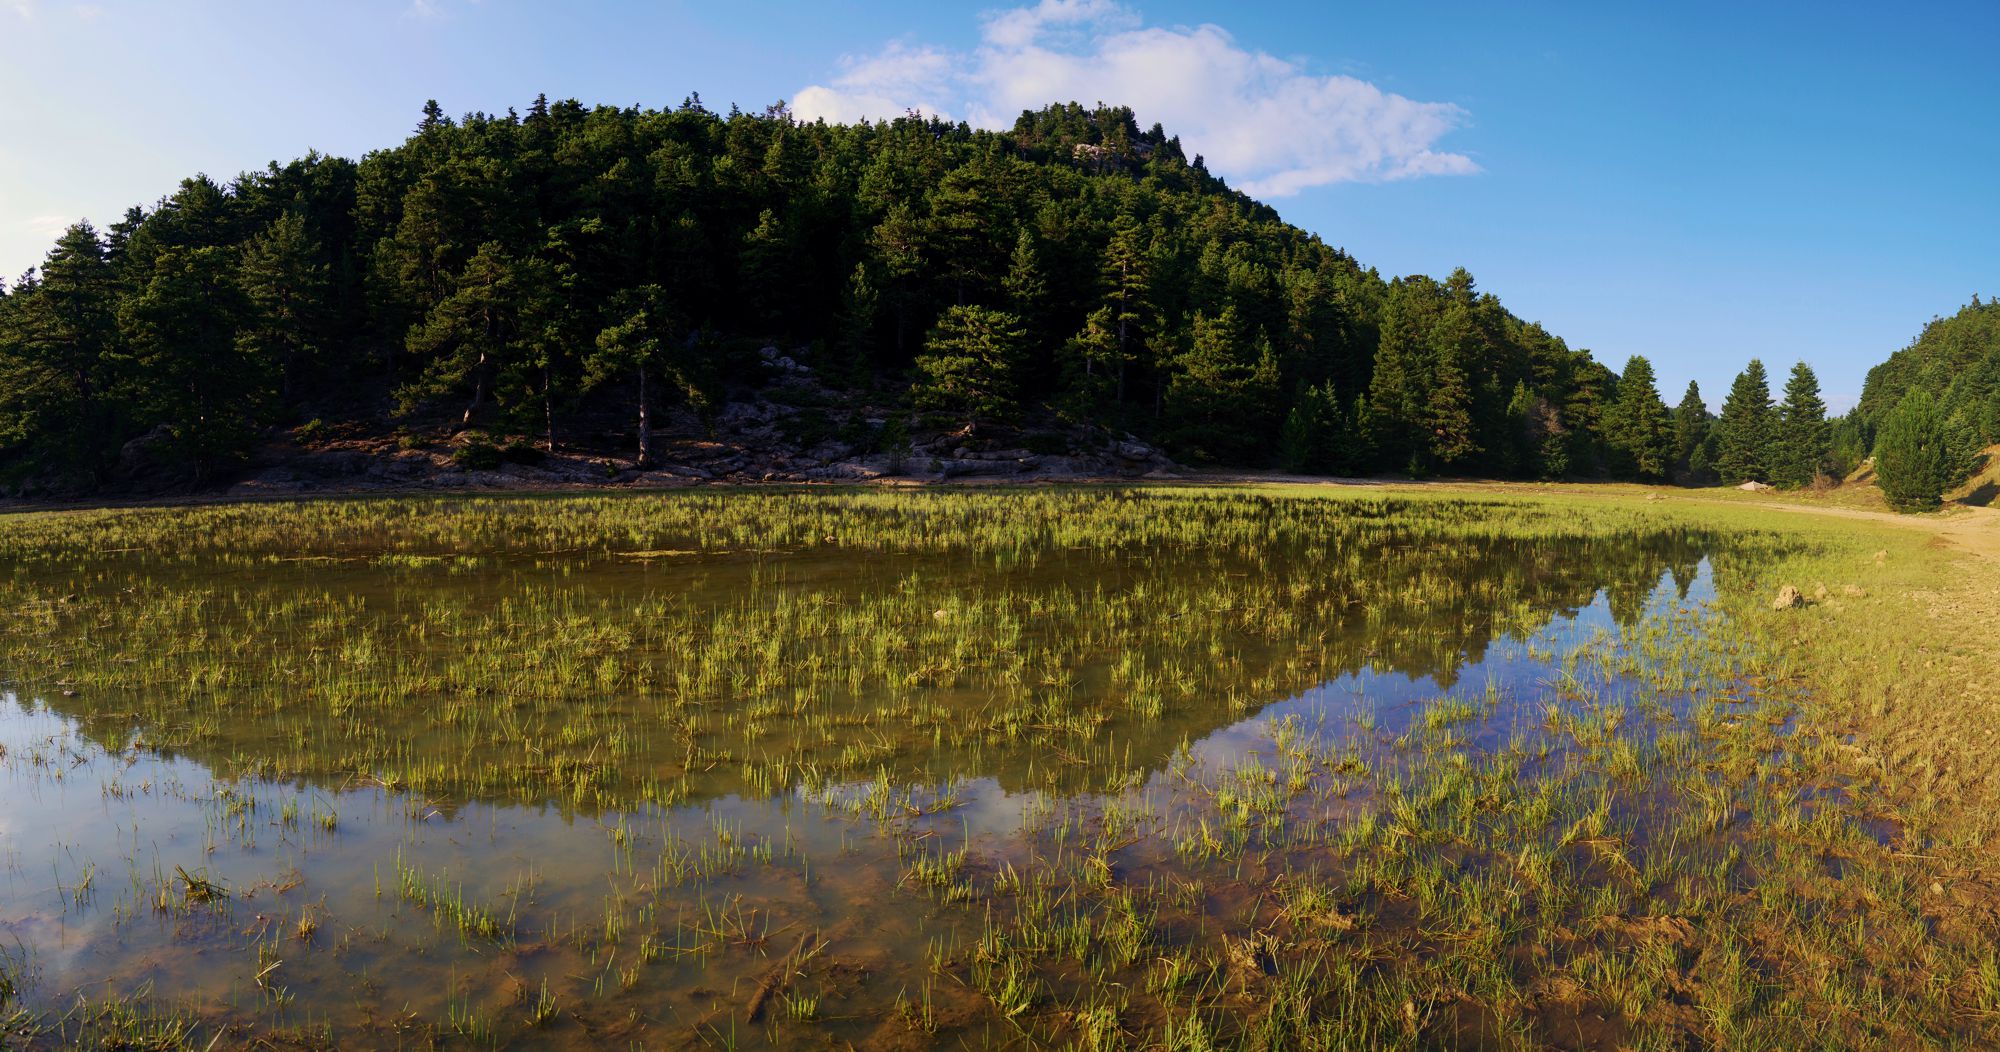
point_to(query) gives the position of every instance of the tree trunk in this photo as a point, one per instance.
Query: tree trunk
(645, 424)
(478, 391)
(549, 408)
(1123, 354)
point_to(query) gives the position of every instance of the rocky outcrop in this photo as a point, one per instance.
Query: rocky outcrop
(751, 440)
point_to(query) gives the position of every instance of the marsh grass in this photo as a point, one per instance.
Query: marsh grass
(1638, 834)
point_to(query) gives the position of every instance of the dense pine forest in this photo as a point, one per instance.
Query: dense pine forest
(571, 276)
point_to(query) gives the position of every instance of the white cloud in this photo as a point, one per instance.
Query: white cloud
(901, 77)
(1260, 120)
(23, 8)
(48, 227)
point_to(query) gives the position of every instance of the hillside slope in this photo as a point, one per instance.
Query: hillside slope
(575, 279)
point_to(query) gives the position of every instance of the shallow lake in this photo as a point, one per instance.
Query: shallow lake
(673, 784)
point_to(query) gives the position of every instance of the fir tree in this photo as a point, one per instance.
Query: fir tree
(1804, 440)
(1691, 427)
(1748, 428)
(1637, 430)
(1393, 388)
(1126, 278)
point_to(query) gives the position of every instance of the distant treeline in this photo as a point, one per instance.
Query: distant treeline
(519, 273)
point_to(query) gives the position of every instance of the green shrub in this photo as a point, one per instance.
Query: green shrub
(476, 454)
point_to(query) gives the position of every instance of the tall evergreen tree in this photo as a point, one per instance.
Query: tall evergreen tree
(1126, 277)
(487, 328)
(205, 387)
(287, 288)
(1089, 360)
(1396, 396)
(1637, 429)
(1805, 442)
(646, 346)
(1691, 427)
(1447, 417)
(1748, 428)
(61, 359)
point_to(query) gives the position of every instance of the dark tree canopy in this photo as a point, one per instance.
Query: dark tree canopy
(566, 274)
(1956, 360)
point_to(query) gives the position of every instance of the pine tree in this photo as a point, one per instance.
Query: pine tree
(644, 345)
(1691, 427)
(1805, 442)
(970, 362)
(1914, 456)
(772, 273)
(287, 289)
(1747, 429)
(62, 360)
(1088, 360)
(1027, 290)
(486, 328)
(183, 327)
(1126, 277)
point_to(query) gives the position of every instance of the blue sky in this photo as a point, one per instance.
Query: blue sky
(1696, 183)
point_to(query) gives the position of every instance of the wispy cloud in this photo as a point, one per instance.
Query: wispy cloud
(50, 227)
(1260, 120)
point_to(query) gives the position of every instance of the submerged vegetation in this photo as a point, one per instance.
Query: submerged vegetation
(1099, 768)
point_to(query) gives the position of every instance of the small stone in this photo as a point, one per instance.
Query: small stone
(1936, 888)
(1789, 598)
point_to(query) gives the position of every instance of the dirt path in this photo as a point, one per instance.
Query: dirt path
(1976, 530)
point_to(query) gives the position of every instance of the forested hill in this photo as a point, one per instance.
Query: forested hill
(1956, 361)
(552, 278)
